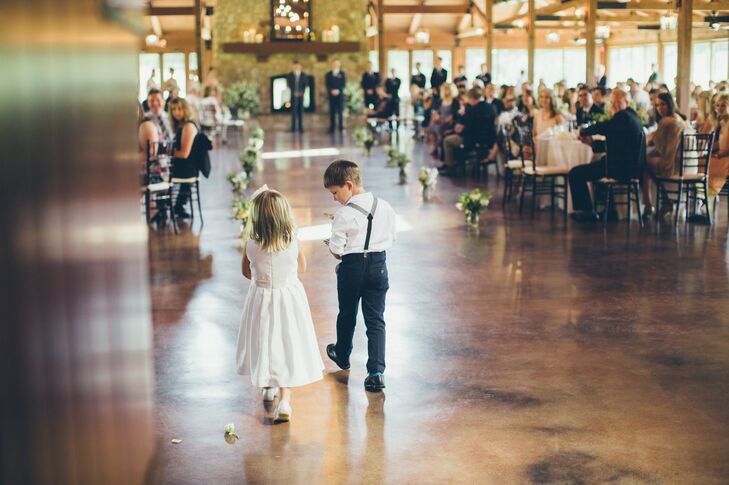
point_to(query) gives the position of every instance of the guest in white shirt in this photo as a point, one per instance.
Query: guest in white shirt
(362, 230)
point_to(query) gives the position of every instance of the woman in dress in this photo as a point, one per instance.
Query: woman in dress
(663, 158)
(719, 164)
(277, 346)
(183, 166)
(548, 116)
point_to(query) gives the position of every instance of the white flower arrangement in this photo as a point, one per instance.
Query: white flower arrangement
(428, 177)
(473, 203)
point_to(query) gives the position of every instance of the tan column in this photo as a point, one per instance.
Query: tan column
(659, 59)
(489, 34)
(381, 54)
(590, 27)
(683, 70)
(531, 41)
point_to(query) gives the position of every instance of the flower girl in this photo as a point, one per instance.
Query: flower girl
(277, 346)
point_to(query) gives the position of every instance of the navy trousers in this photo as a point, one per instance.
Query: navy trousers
(363, 278)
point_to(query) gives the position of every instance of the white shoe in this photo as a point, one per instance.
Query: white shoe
(269, 393)
(283, 412)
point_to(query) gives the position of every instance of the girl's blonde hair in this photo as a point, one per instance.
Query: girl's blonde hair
(271, 222)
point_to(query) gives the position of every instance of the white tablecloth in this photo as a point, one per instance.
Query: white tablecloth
(552, 152)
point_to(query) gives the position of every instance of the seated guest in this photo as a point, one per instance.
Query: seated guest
(547, 116)
(625, 159)
(570, 100)
(663, 159)
(653, 116)
(485, 76)
(183, 166)
(598, 96)
(211, 115)
(157, 115)
(719, 164)
(526, 102)
(386, 106)
(489, 95)
(705, 122)
(147, 134)
(587, 108)
(478, 125)
(443, 118)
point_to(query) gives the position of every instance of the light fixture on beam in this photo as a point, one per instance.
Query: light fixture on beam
(602, 32)
(552, 38)
(669, 22)
(422, 36)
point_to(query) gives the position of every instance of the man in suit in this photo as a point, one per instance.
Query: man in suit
(438, 77)
(478, 126)
(297, 83)
(418, 78)
(370, 81)
(625, 159)
(485, 76)
(392, 88)
(335, 81)
(461, 79)
(653, 78)
(587, 108)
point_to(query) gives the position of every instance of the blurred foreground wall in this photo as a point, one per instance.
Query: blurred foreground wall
(75, 329)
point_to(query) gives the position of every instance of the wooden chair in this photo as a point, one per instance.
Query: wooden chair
(551, 181)
(156, 189)
(692, 180)
(511, 166)
(194, 186)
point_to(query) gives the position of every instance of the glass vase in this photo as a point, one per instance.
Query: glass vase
(427, 193)
(472, 219)
(403, 176)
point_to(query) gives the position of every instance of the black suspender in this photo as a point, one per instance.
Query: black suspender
(369, 216)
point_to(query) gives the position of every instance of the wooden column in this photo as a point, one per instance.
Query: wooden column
(489, 35)
(199, 42)
(381, 57)
(659, 59)
(685, 13)
(531, 42)
(590, 27)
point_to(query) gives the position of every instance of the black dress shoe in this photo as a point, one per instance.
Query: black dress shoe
(374, 383)
(332, 354)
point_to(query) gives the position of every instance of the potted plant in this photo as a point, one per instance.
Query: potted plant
(243, 98)
(472, 204)
(428, 179)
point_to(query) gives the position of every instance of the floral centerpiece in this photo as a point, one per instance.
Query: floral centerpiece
(472, 204)
(243, 97)
(249, 160)
(239, 180)
(363, 138)
(428, 179)
(353, 98)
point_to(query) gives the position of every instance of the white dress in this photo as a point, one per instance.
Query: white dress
(277, 345)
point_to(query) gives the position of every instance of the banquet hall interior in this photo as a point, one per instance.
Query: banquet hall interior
(557, 310)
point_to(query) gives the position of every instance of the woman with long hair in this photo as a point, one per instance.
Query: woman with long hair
(719, 164)
(705, 117)
(663, 156)
(182, 165)
(548, 115)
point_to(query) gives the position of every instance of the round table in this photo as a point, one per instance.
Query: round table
(554, 152)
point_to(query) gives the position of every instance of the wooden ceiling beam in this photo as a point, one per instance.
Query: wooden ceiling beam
(164, 11)
(426, 9)
(548, 10)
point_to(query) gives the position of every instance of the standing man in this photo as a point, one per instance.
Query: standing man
(392, 87)
(335, 81)
(370, 80)
(461, 79)
(297, 82)
(653, 78)
(418, 78)
(171, 82)
(438, 76)
(587, 108)
(485, 76)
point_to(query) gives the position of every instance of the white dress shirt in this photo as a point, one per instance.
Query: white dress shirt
(349, 227)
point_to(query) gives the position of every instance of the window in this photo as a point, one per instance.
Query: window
(176, 62)
(447, 63)
(670, 58)
(192, 67)
(548, 66)
(719, 60)
(375, 60)
(398, 60)
(574, 66)
(149, 73)
(701, 64)
(474, 58)
(425, 58)
(508, 63)
(631, 62)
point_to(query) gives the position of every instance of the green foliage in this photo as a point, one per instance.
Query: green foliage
(474, 201)
(244, 96)
(353, 98)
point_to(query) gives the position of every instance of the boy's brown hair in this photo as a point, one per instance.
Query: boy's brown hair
(341, 171)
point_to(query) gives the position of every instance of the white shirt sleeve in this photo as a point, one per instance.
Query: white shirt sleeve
(339, 234)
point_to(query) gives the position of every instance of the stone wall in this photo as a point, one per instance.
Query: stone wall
(232, 17)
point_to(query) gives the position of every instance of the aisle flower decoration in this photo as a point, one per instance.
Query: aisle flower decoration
(239, 181)
(472, 204)
(401, 160)
(249, 160)
(428, 179)
(256, 138)
(241, 211)
(363, 138)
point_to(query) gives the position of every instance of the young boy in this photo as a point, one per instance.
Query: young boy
(362, 231)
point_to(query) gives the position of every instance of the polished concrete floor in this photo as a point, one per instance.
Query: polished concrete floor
(526, 352)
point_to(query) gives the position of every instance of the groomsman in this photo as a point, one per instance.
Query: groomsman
(370, 80)
(335, 81)
(461, 79)
(438, 76)
(392, 87)
(418, 78)
(297, 82)
(485, 76)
